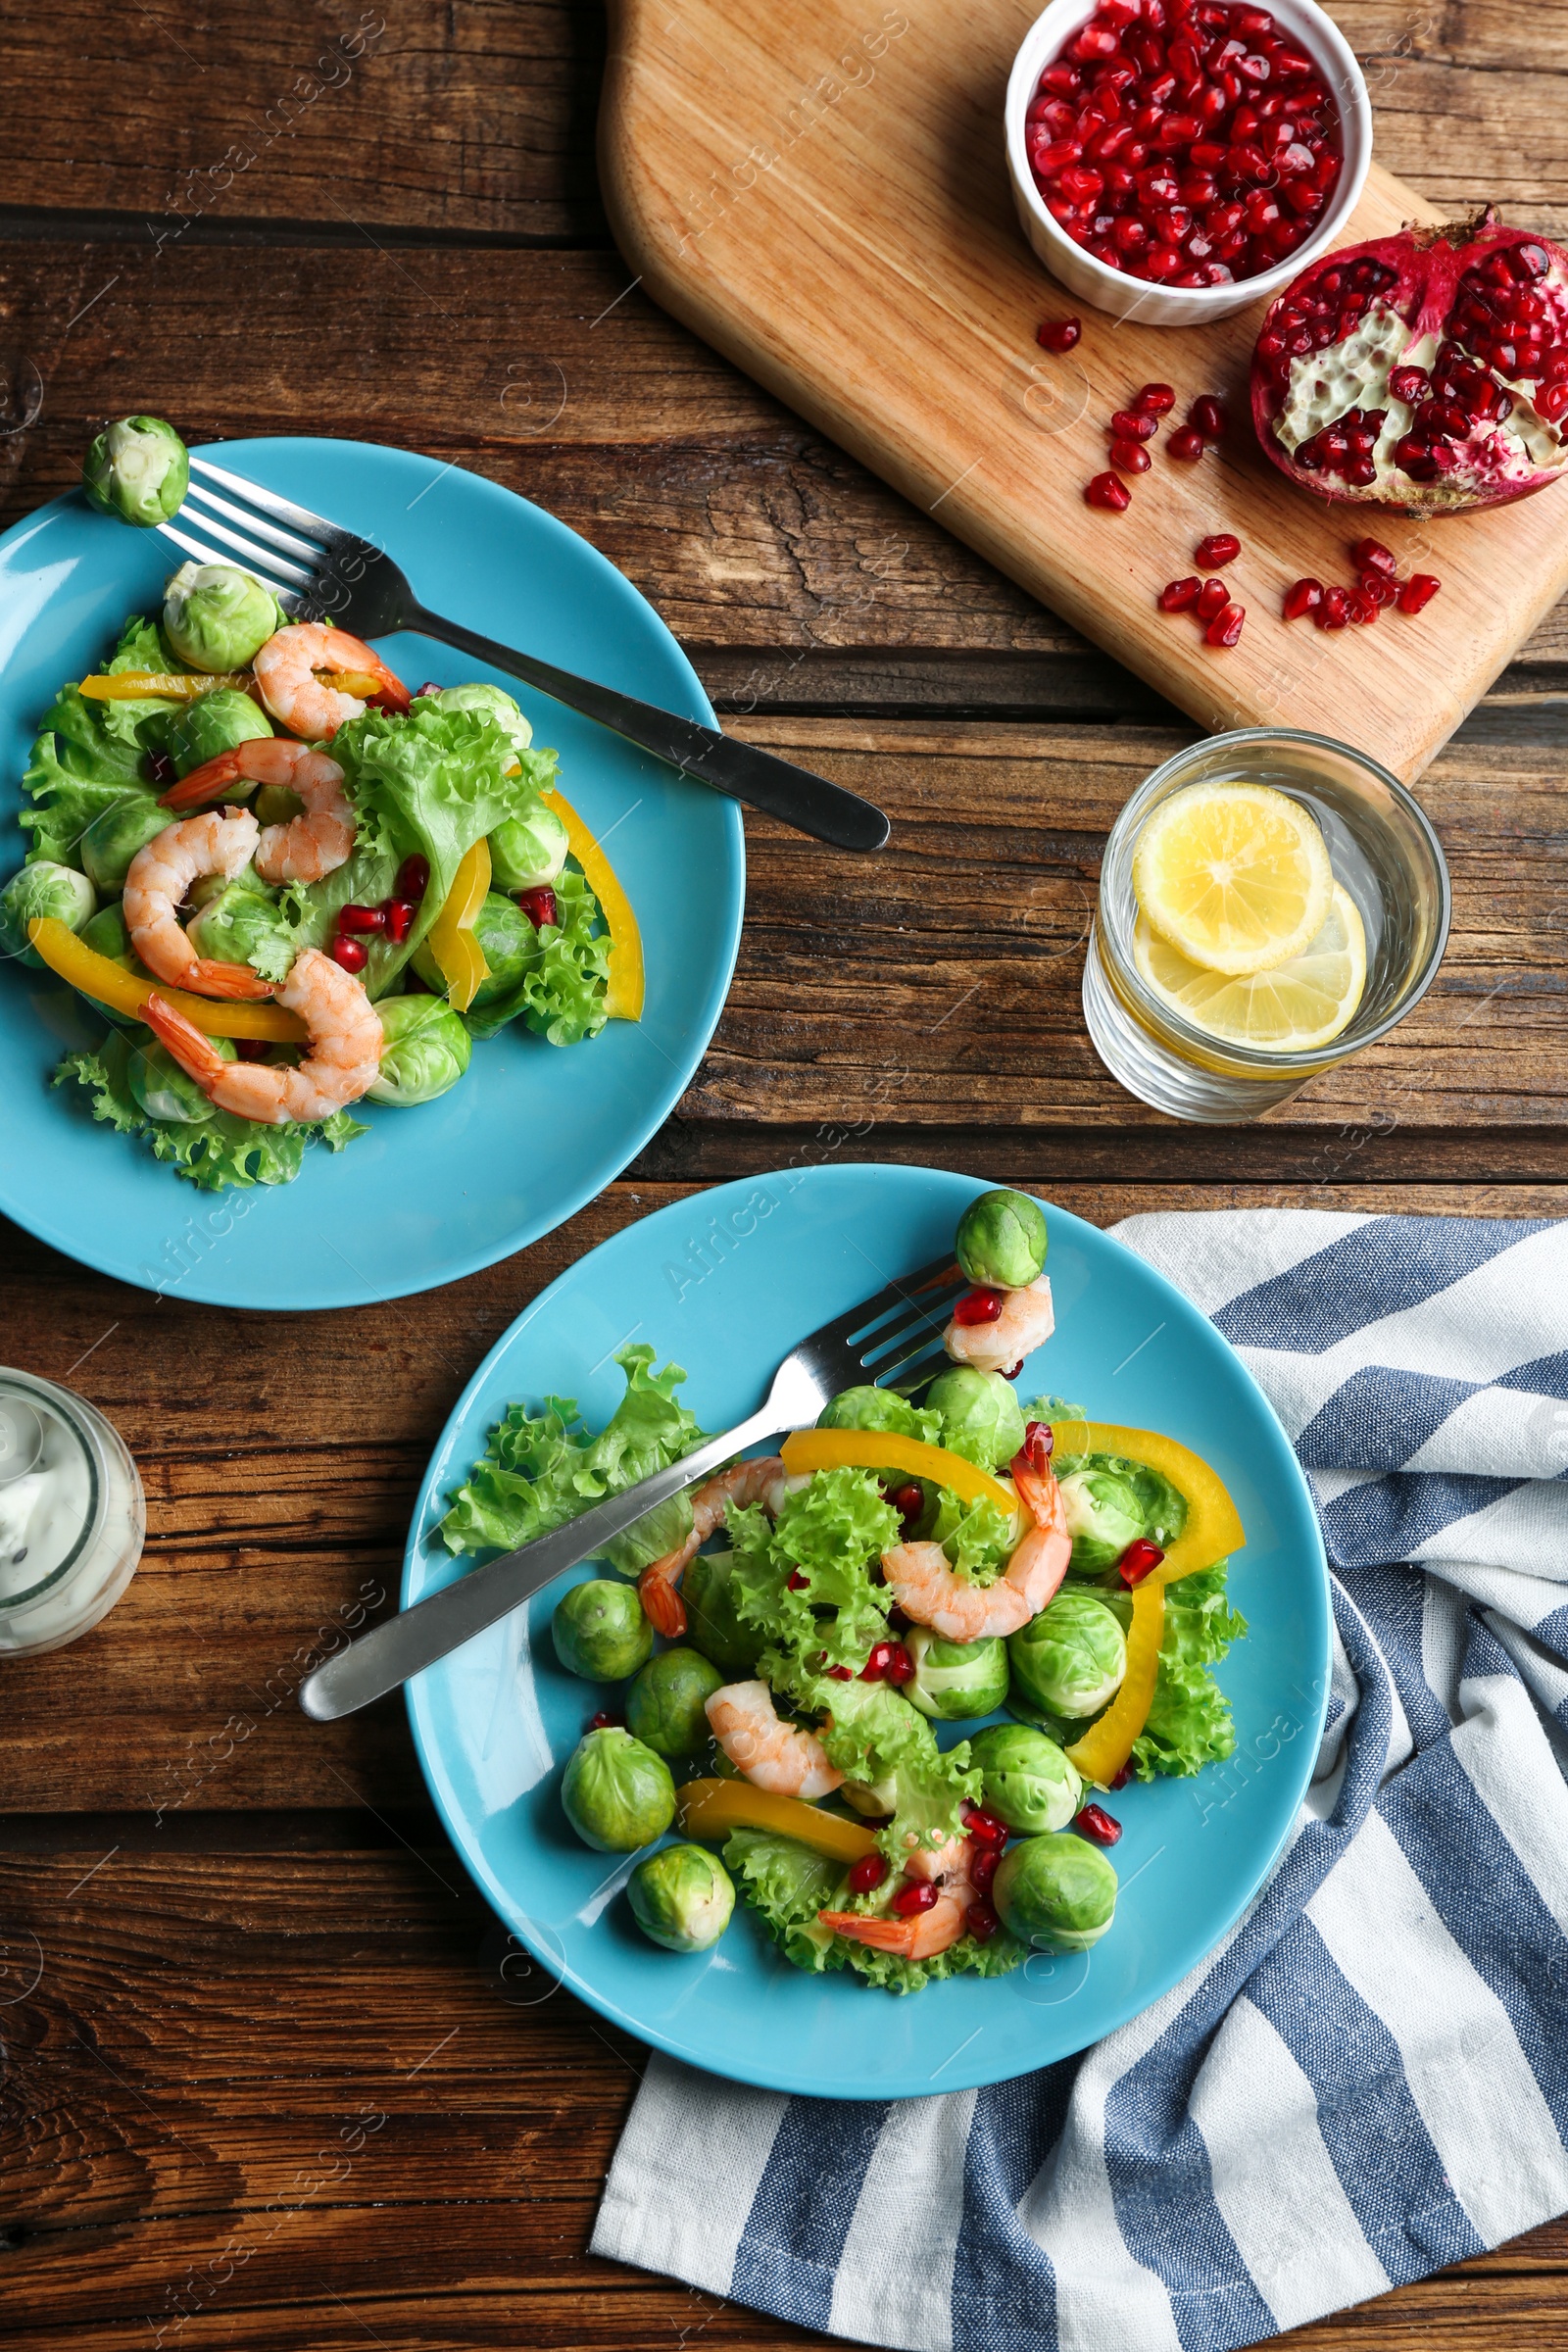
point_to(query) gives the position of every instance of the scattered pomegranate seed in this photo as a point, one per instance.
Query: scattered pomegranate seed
(400, 915)
(876, 1665)
(1207, 415)
(1095, 1823)
(978, 1823)
(1131, 457)
(413, 877)
(909, 1501)
(1335, 611)
(352, 953)
(1370, 554)
(1059, 335)
(1223, 548)
(868, 1873)
(250, 1049)
(1211, 600)
(1013, 1371)
(606, 1723)
(1379, 587)
(1120, 1779)
(796, 1582)
(1137, 1560)
(430, 687)
(1038, 1442)
(919, 1895)
(981, 1920)
(1155, 400)
(982, 1867)
(1177, 595)
(1418, 591)
(839, 1674)
(1105, 491)
(361, 918)
(977, 1307)
(1225, 627)
(1134, 425)
(1364, 607)
(899, 1667)
(1187, 444)
(539, 905)
(1303, 597)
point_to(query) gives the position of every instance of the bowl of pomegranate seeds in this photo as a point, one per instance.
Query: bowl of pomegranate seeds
(1173, 160)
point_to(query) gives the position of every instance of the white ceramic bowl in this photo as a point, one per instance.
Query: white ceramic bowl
(1183, 306)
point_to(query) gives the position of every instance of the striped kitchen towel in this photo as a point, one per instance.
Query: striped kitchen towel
(1369, 2078)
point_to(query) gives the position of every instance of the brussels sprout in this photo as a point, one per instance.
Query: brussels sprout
(424, 1050)
(490, 702)
(981, 1416)
(162, 1087)
(868, 1408)
(617, 1793)
(137, 470)
(235, 923)
(107, 936)
(1071, 1658)
(714, 1623)
(874, 1799)
(1055, 1891)
(192, 733)
(956, 1679)
(506, 940)
(1103, 1515)
(527, 851)
(665, 1704)
(1002, 1240)
(1029, 1783)
(682, 1897)
(219, 618)
(38, 890)
(115, 834)
(664, 1529)
(600, 1632)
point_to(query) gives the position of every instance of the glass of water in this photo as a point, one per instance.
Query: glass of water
(1384, 853)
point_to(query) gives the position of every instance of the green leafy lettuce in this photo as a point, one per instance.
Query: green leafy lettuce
(559, 993)
(1190, 1722)
(541, 1469)
(87, 755)
(218, 1152)
(787, 1886)
(977, 1537)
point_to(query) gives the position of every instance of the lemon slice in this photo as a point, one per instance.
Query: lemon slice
(1302, 1003)
(1236, 876)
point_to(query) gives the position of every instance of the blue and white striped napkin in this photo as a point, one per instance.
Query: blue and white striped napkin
(1369, 2078)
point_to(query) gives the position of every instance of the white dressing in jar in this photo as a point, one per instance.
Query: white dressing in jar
(73, 1517)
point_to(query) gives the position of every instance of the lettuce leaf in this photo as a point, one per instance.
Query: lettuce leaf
(976, 1537)
(87, 755)
(1190, 1723)
(216, 1154)
(788, 1884)
(966, 1958)
(541, 1469)
(561, 993)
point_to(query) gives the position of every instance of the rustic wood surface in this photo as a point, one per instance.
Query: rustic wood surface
(266, 2082)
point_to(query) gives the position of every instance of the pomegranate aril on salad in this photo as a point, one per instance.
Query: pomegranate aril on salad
(1095, 1823)
(351, 952)
(866, 1875)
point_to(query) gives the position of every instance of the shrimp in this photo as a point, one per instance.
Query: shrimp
(931, 1592)
(344, 1056)
(773, 1755)
(285, 673)
(1025, 1323)
(923, 1935)
(308, 848)
(159, 875)
(741, 1484)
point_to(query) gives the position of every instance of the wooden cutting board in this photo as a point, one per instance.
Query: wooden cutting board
(819, 189)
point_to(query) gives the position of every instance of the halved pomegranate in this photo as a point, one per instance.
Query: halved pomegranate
(1427, 370)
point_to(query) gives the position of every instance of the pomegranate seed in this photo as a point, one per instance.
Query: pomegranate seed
(1364, 607)
(876, 1665)
(868, 1873)
(900, 1666)
(250, 1049)
(977, 1307)
(1059, 335)
(352, 953)
(1107, 492)
(1207, 416)
(1177, 595)
(1213, 599)
(1134, 424)
(1131, 456)
(839, 1674)
(1095, 1823)
(1121, 1778)
(1303, 597)
(1410, 384)
(361, 918)
(981, 1920)
(1155, 400)
(1223, 548)
(430, 687)
(1335, 609)
(795, 1581)
(1225, 627)
(1418, 591)
(982, 1867)
(909, 1901)
(400, 915)
(910, 1502)
(1187, 444)
(984, 1826)
(1379, 587)
(413, 877)
(606, 1723)
(1140, 1556)
(538, 905)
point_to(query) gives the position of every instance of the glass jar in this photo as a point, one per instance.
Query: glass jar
(73, 1516)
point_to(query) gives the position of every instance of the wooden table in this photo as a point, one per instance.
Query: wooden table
(267, 2084)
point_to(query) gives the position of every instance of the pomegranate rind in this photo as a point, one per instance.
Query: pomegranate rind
(1403, 325)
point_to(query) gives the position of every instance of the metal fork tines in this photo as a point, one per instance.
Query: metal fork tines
(888, 1335)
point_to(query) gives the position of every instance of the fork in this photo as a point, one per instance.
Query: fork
(320, 571)
(885, 1340)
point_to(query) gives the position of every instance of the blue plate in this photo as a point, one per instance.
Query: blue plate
(533, 1131)
(725, 1283)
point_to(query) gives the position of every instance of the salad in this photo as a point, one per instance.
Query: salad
(939, 1630)
(288, 883)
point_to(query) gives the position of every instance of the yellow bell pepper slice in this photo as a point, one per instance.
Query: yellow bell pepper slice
(1214, 1529)
(1106, 1746)
(450, 938)
(109, 983)
(807, 1449)
(134, 685)
(627, 979)
(710, 1809)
